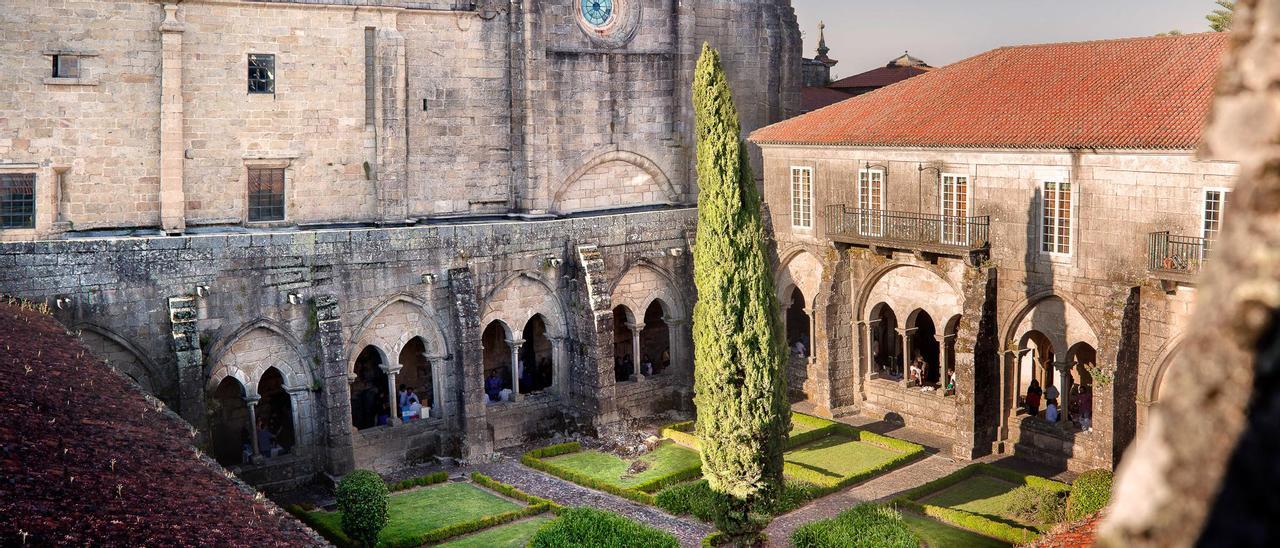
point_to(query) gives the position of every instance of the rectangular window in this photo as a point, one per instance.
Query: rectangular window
(955, 209)
(370, 47)
(871, 200)
(266, 194)
(66, 66)
(1056, 219)
(1215, 201)
(802, 197)
(17, 200)
(262, 73)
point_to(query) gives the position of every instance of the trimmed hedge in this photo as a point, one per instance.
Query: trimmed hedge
(698, 500)
(336, 536)
(1090, 493)
(510, 491)
(363, 501)
(429, 479)
(863, 526)
(682, 433)
(825, 485)
(533, 459)
(974, 522)
(444, 533)
(588, 527)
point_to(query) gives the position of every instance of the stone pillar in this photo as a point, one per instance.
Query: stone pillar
(301, 438)
(333, 409)
(674, 336)
(868, 353)
(812, 347)
(1064, 387)
(252, 403)
(942, 361)
(558, 384)
(636, 328)
(185, 330)
(515, 368)
(906, 357)
(394, 418)
(391, 175)
(477, 441)
(172, 199)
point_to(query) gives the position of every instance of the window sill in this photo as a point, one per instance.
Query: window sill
(268, 224)
(51, 81)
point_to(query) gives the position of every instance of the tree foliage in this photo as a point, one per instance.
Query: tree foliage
(740, 388)
(1220, 19)
(363, 501)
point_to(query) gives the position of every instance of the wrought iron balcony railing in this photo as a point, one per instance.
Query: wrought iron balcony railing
(904, 230)
(1177, 258)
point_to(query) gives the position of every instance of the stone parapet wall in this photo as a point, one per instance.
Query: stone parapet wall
(929, 411)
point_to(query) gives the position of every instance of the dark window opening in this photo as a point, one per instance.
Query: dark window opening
(66, 66)
(262, 73)
(266, 194)
(17, 200)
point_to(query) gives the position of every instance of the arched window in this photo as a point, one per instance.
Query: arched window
(886, 343)
(370, 406)
(1035, 365)
(923, 341)
(275, 416)
(798, 343)
(497, 362)
(655, 340)
(537, 359)
(229, 424)
(1080, 396)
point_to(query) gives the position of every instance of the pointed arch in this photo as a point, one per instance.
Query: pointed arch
(112, 347)
(1078, 324)
(519, 297)
(799, 269)
(390, 326)
(875, 290)
(642, 282)
(1154, 383)
(598, 168)
(247, 353)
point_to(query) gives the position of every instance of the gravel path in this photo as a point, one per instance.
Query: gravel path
(688, 530)
(880, 488)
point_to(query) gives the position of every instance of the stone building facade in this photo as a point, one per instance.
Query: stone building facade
(1058, 245)
(276, 211)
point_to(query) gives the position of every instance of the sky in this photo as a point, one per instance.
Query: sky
(864, 34)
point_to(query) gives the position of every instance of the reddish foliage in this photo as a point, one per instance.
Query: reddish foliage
(87, 460)
(1080, 534)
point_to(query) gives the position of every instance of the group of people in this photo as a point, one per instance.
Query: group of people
(411, 407)
(497, 385)
(269, 442)
(1080, 398)
(624, 367)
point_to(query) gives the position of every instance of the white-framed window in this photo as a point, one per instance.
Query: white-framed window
(870, 200)
(1057, 206)
(802, 197)
(954, 206)
(1215, 204)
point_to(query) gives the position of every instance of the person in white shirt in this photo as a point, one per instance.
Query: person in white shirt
(415, 408)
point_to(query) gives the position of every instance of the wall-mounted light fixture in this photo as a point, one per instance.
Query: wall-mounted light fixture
(295, 298)
(553, 261)
(62, 303)
(428, 278)
(202, 291)
(676, 251)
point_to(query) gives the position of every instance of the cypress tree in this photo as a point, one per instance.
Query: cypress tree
(739, 382)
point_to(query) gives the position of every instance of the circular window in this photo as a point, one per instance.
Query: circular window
(597, 14)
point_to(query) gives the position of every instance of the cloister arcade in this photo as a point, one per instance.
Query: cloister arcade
(1056, 347)
(647, 317)
(911, 316)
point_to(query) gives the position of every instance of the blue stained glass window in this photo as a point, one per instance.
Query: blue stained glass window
(597, 12)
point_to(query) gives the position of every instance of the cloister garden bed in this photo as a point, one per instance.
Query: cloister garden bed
(981, 498)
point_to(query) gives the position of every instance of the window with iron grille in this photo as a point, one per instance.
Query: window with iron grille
(266, 194)
(1056, 219)
(66, 66)
(262, 73)
(801, 197)
(17, 200)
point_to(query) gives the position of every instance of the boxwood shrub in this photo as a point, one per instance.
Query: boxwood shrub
(363, 501)
(1089, 493)
(863, 526)
(429, 479)
(588, 527)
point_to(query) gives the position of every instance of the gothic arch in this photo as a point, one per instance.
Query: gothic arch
(1065, 341)
(866, 292)
(792, 273)
(506, 303)
(1153, 382)
(638, 161)
(248, 352)
(672, 300)
(144, 372)
(390, 340)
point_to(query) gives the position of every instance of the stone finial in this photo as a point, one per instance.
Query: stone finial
(171, 22)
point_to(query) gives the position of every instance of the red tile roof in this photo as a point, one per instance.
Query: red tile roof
(878, 77)
(1136, 93)
(813, 98)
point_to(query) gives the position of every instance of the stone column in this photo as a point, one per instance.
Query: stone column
(437, 386)
(394, 418)
(813, 334)
(906, 357)
(172, 198)
(942, 361)
(868, 353)
(296, 400)
(252, 403)
(558, 384)
(515, 368)
(636, 328)
(1064, 387)
(674, 331)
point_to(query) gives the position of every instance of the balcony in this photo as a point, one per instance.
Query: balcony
(965, 237)
(1176, 259)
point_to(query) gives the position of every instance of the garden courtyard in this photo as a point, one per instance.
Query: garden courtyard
(842, 483)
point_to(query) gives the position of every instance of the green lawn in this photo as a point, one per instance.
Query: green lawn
(980, 494)
(514, 535)
(666, 459)
(839, 456)
(422, 510)
(804, 423)
(935, 534)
